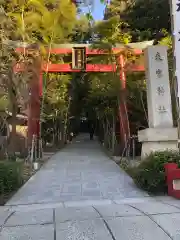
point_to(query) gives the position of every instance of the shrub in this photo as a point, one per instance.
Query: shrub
(150, 173)
(10, 176)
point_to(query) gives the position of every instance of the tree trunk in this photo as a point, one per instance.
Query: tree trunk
(13, 107)
(113, 134)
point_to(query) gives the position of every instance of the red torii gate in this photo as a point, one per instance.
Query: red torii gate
(36, 89)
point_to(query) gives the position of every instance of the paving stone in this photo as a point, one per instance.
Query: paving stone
(169, 200)
(115, 210)
(81, 213)
(155, 207)
(64, 197)
(91, 192)
(51, 193)
(87, 203)
(134, 200)
(134, 193)
(90, 185)
(71, 188)
(169, 222)
(136, 228)
(31, 207)
(42, 200)
(82, 230)
(42, 216)
(113, 196)
(110, 189)
(73, 173)
(4, 214)
(33, 232)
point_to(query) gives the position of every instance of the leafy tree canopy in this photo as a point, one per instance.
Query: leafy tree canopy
(146, 19)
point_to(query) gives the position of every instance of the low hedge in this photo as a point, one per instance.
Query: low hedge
(149, 175)
(10, 176)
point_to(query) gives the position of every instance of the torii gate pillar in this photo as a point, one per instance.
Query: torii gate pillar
(34, 106)
(123, 113)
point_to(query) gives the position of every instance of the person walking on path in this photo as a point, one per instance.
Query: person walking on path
(91, 130)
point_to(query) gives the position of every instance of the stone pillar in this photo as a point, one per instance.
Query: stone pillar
(160, 135)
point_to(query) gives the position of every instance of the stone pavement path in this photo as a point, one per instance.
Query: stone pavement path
(79, 172)
(80, 194)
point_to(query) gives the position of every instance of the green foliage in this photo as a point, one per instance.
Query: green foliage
(153, 14)
(82, 30)
(150, 173)
(146, 19)
(136, 102)
(56, 95)
(116, 7)
(104, 88)
(167, 40)
(103, 92)
(110, 31)
(10, 176)
(3, 103)
(43, 21)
